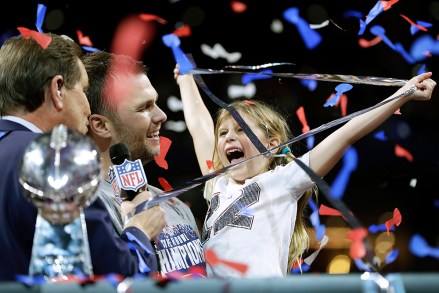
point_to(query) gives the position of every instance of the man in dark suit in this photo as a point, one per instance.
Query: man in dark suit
(43, 84)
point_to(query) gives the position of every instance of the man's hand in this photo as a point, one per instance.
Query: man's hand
(150, 221)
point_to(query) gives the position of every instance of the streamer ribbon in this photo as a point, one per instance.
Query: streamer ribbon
(239, 69)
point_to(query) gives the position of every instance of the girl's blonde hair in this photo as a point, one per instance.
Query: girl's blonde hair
(274, 124)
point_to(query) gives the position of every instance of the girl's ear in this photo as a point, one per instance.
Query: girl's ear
(274, 142)
(98, 125)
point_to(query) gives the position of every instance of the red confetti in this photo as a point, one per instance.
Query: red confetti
(366, 44)
(238, 7)
(301, 115)
(296, 263)
(327, 211)
(403, 153)
(150, 17)
(420, 27)
(388, 4)
(248, 102)
(184, 31)
(358, 250)
(343, 101)
(212, 259)
(164, 184)
(83, 40)
(209, 164)
(40, 38)
(132, 36)
(396, 220)
(165, 144)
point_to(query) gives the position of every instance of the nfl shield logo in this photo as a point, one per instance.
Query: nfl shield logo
(130, 175)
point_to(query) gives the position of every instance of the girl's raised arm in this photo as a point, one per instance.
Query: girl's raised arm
(327, 153)
(198, 119)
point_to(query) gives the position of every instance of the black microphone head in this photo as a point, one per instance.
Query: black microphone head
(119, 152)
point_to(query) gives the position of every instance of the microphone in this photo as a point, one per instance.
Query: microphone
(119, 152)
(129, 178)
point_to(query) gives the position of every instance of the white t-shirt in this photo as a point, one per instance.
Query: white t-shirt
(252, 223)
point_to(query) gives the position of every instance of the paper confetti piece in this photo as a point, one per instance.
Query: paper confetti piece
(83, 40)
(212, 259)
(238, 7)
(379, 228)
(315, 220)
(174, 104)
(209, 164)
(305, 127)
(300, 112)
(172, 41)
(340, 89)
(277, 26)
(40, 38)
(422, 69)
(164, 184)
(310, 84)
(381, 135)
(151, 17)
(310, 140)
(132, 36)
(357, 250)
(165, 144)
(366, 44)
(310, 37)
(424, 47)
(239, 91)
(361, 265)
(401, 50)
(320, 25)
(419, 247)
(177, 126)
(373, 13)
(381, 32)
(183, 31)
(415, 27)
(396, 220)
(391, 256)
(403, 153)
(350, 161)
(413, 182)
(41, 14)
(310, 259)
(388, 4)
(249, 77)
(327, 211)
(218, 51)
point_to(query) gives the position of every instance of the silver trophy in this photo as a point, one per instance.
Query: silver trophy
(59, 174)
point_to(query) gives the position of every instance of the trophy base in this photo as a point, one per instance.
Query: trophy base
(61, 252)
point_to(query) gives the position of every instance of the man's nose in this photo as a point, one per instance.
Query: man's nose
(159, 116)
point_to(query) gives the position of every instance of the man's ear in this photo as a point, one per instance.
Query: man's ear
(98, 125)
(56, 93)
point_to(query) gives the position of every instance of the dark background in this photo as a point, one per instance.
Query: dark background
(381, 181)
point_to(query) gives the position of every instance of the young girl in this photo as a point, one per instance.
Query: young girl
(255, 214)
